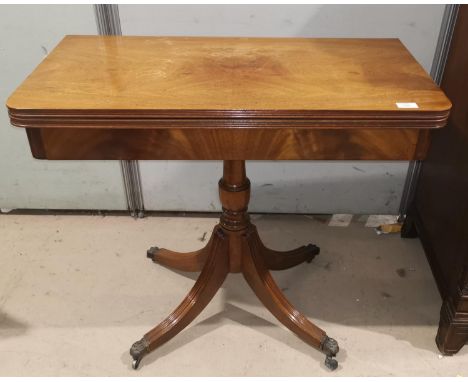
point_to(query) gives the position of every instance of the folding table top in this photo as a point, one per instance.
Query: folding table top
(144, 82)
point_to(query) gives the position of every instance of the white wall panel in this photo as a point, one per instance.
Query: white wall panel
(27, 34)
(357, 187)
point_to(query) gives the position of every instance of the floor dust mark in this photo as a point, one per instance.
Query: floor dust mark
(385, 295)
(44, 49)
(401, 272)
(267, 185)
(359, 169)
(327, 266)
(203, 237)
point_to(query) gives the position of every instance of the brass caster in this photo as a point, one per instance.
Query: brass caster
(331, 363)
(136, 363)
(150, 253)
(330, 348)
(138, 350)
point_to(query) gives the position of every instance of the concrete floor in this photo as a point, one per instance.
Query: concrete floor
(77, 291)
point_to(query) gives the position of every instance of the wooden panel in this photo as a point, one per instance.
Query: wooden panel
(367, 144)
(441, 205)
(90, 81)
(443, 186)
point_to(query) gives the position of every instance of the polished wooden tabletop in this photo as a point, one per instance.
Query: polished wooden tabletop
(114, 97)
(163, 77)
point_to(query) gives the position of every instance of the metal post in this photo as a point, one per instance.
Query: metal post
(108, 23)
(437, 71)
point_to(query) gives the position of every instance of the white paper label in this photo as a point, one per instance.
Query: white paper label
(407, 105)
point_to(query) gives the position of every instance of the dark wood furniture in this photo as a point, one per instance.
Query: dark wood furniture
(231, 99)
(440, 209)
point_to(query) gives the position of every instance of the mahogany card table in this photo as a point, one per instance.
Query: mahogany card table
(229, 99)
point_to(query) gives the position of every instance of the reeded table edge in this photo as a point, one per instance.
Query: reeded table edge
(226, 119)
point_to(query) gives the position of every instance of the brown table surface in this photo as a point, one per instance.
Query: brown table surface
(226, 77)
(255, 98)
(201, 76)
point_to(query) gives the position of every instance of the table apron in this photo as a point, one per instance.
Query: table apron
(228, 144)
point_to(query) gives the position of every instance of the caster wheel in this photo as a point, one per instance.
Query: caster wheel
(135, 363)
(330, 348)
(138, 351)
(331, 363)
(150, 253)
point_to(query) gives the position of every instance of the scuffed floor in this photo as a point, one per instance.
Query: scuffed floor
(77, 291)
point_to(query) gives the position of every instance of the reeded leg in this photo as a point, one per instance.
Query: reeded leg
(182, 261)
(279, 260)
(259, 278)
(210, 280)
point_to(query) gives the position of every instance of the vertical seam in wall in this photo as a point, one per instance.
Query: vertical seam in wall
(437, 71)
(108, 23)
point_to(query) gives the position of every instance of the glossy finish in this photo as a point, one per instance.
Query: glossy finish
(127, 98)
(134, 82)
(440, 210)
(232, 144)
(230, 99)
(235, 247)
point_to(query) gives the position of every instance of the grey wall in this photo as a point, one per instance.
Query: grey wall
(27, 33)
(356, 187)
(416, 25)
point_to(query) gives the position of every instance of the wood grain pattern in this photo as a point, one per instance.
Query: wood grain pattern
(260, 280)
(440, 208)
(186, 82)
(210, 280)
(182, 261)
(229, 144)
(280, 260)
(235, 247)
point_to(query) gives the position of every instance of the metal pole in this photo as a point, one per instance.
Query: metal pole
(108, 23)
(437, 71)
